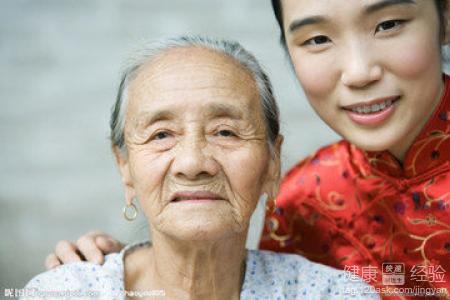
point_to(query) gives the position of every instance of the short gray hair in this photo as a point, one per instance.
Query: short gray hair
(230, 48)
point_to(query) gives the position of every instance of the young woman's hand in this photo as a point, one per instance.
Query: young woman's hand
(91, 247)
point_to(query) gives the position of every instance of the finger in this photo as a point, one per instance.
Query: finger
(108, 245)
(66, 252)
(87, 247)
(51, 261)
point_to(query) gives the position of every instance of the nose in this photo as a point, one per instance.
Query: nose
(361, 67)
(193, 161)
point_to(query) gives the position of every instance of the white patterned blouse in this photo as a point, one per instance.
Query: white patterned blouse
(268, 275)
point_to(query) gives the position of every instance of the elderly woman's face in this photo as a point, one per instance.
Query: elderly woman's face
(198, 158)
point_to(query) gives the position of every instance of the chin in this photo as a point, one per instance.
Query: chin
(393, 134)
(200, 229)
(372, 141)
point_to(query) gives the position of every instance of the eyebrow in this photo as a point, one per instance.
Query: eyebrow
(215, 110)
(297, 24)
(150, 118)
(223, 110)
(387, 3)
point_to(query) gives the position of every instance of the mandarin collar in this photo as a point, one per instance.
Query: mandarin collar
(430, 151)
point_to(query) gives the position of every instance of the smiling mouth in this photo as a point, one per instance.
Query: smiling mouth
(372, 107)
(372, 113)
(195, 196)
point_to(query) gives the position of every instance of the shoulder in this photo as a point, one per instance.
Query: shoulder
(81, 279)
(330, 168)
(335, 154)
(295, 277)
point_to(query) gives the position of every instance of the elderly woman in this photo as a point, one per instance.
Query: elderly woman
(195, 134)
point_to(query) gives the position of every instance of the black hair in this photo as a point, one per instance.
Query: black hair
(278, 11)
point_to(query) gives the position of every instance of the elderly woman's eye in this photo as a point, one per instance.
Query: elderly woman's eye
(226, 133)
(161, 135)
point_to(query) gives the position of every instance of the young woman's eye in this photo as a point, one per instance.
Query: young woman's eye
(317, 40)
(389, 25)
(226, 133)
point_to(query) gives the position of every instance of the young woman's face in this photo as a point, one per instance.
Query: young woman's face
(371, 69)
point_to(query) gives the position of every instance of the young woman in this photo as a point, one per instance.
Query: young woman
(378, 202)
(372, 70)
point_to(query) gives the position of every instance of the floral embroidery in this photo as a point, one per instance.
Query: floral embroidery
(343, 206)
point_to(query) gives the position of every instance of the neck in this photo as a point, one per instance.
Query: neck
(189, 270)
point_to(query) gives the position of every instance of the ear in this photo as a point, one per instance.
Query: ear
(446, 14)
(272, 180)
(124, 169)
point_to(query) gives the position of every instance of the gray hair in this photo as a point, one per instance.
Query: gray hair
(230, 48)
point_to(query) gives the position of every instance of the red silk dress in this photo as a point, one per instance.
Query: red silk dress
(356, 210)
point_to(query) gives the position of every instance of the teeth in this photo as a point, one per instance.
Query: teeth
(367, 109)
